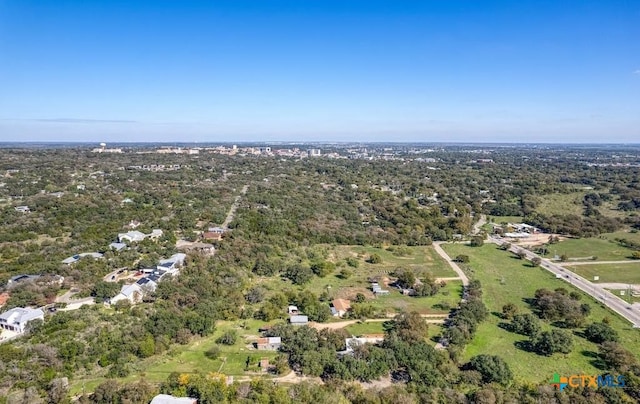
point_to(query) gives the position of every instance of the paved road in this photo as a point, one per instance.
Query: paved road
(571, 264)
(454, 266)
(610, 300)
(616, 285)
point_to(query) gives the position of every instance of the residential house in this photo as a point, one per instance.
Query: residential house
(524, 228)
(211, 236)
(167, 399)
(377, 290)
(269, 343)
(340, 307)
(155, 234)
(16, 319)
(354, 342)
(75, 258)
(173, 263)
(117, 246)
(133, 293)
(200, 248)
(299, 320)
(133, 236)
(13, 281)
(147, 284)
(22, 209)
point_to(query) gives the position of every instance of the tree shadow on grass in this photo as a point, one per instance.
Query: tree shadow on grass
(497, 314)
(595, 361)
(525, 345)
(505, 326)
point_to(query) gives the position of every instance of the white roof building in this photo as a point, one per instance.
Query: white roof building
(132, 236)
(16, 319)
(133, 293)
(167, 399)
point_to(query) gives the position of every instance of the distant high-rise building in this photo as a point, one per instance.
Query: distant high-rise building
(315, 152)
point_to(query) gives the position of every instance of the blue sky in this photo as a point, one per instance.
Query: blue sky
(349, 70)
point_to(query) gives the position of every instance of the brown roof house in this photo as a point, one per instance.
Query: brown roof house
(340, 307)
(269, 343)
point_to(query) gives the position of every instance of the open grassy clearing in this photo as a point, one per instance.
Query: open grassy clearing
(359, 329)
(633, 236)
(572, 203)
(420, 260)
(504, 219)
(621, 273)
(584, 248)
(191, 358)
(551, 204)
(449, 296)
(506, 279)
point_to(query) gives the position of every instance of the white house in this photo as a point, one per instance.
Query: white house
(299, 320)
(167, 399)
(133, 293)
(132, 236)
(117, 246)
(354, 342)
(16, 319)
(172, 263)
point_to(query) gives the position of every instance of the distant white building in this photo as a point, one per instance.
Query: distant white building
(16, 319)
(22, 209)
(167, 399)
(135, 236)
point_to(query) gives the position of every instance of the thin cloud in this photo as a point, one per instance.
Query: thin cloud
(75, 120)
(637, 72)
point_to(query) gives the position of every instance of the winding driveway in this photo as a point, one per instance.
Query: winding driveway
(452, 264)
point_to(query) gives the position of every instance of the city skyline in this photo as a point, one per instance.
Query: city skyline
(354, 71)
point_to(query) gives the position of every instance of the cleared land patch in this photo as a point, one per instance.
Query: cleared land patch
(622, 273)
(506, 279)
(583, 248)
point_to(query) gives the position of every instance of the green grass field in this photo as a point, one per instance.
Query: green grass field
(620, 273)
(508, 280)
(419, 259)
(504, 219)
(551, 204)
(396, 302)
(604, 249)
(365, 328)
(191, 357)
(622, 234)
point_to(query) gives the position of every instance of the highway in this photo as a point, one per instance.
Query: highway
(607, 298)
